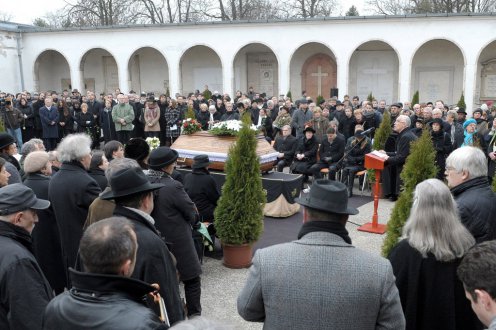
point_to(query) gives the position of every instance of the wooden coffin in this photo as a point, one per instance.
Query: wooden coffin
(217, 147)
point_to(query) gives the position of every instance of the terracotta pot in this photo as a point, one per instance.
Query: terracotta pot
(237, 256)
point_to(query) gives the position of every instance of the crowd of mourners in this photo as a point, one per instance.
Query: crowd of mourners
(118, 227)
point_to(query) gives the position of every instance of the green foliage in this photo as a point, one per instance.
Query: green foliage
(415, 99)
(420, 165)
(461, 102)
(2, 125)
(190, 113)
(494, 184)
(239, 212)
(380, 138)
(320, 98)
(353, 11)
(370, 97)
(207, 94)
(288, 94)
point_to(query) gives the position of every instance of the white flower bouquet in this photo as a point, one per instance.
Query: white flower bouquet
(229, 127)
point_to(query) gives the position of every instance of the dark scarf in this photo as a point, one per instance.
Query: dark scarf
(325, 226)
(16, 233)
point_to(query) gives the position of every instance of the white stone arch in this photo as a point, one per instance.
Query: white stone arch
(486, 74)
(301, 56)
(373, 67)
(102, 75)
(148, 71)
(57, 77)
(258, 68)
(437, 70)
(201, 70)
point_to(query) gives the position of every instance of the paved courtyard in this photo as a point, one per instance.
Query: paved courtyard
(220, 285)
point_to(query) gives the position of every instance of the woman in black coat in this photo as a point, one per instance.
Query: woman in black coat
(175, 217)
(46, 239)
(306, 153)
(425, 262)
(442, 144)
(98, 166)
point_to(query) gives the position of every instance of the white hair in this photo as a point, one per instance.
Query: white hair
(118, 164)
(470, 159)
(408, 121)
(434, 225)
(74, 147)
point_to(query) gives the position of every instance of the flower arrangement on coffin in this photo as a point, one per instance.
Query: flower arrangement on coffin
(229, 128)
(190, 126)
(153, 142)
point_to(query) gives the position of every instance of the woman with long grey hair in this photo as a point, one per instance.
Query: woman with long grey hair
(425, 261)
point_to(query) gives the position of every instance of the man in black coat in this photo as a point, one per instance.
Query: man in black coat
(133, 196)
(104, 296)
(176, 215)
(395, 160)
(285, 145)
(71, 192)
(25, 291)
(46, 238)
(201, 188)
(331, 152)
(466, 173)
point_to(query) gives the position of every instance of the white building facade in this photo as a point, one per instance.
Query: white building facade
(390, 57)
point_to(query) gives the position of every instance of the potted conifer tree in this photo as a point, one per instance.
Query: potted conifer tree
(239, 213)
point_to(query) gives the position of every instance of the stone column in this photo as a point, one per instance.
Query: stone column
(469, 83)
(343, 72)
(284, 71)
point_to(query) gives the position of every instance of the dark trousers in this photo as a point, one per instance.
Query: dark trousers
(281, 164)
(315, 169)
(192, 292)
(152, 134)
(348, 177)
(123, 136)
(50, 143)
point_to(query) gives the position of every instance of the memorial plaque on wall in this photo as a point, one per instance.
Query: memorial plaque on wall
(489, 80)
(262, 73)
(435, 83)
(376, 73)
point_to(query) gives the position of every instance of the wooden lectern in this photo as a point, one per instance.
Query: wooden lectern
(376, 163)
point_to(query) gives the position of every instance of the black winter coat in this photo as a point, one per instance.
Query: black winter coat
(46, 238)
(442, 144)
(25, 292)
(99, 176)
(356, 154)
(108, 125)
(476, 204)
(287, 146)
(154, 263)
(202, 189)
(174, 215)
(391, 174)
(431, 295)
(331, 153)
(71, 192)
(101, 302)
(307, 147)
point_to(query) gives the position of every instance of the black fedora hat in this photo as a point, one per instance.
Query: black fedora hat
(200, 161)
(328, 196)
(128, 182)
(6, 140)
(161, 157)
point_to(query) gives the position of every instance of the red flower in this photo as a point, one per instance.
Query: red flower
(186, 124)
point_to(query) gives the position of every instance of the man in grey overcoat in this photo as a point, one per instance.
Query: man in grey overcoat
(321, 281)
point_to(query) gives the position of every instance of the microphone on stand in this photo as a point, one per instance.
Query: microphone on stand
(370, 130)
